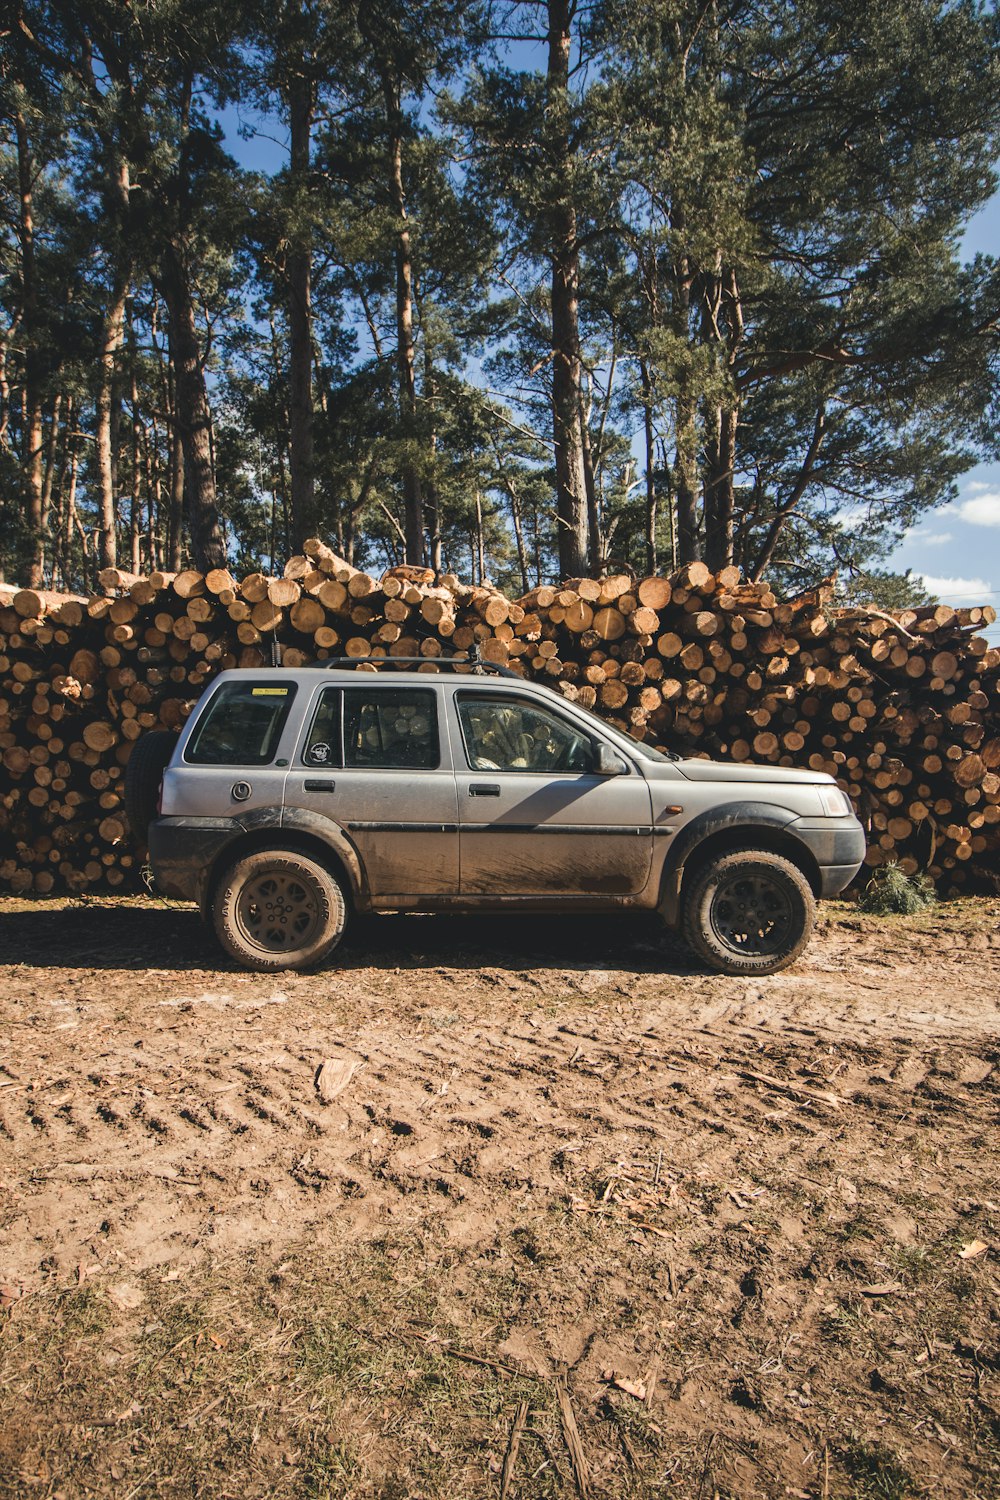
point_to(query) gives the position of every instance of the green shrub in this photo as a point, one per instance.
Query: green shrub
(892, 892)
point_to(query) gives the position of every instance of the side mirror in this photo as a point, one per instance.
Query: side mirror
(609, 763)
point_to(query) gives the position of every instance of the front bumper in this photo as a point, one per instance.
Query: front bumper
(182, 851)
(837, 845)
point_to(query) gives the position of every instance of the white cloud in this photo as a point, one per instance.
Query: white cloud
(958, 590)
(978, 486)
(979, 510)
(930, 538)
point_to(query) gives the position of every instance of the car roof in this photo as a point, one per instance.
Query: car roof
(476, 672)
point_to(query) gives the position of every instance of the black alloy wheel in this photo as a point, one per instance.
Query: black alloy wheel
(749, 911)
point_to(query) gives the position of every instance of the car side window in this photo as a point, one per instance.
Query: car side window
(510, 734)
(391, 728)
(241, 725)
(323, 743)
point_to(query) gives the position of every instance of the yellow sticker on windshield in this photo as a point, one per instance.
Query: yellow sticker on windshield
(268, 692)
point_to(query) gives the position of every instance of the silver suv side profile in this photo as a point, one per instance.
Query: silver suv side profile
(296, 796)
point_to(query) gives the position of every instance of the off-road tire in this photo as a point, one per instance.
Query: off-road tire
(278, 909)
(748, 912)
(143, 773)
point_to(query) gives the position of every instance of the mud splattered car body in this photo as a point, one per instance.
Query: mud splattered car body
(294, 796)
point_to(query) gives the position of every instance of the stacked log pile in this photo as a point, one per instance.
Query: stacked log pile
(904, 710)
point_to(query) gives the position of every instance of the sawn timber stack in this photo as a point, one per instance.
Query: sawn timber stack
(903, 709)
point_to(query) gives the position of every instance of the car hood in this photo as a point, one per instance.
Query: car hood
(738, 773)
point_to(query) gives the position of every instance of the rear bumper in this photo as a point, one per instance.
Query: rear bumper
(183, 850)
(838, 847)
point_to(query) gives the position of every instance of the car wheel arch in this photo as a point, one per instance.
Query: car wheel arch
(342, 863)
(721, 830)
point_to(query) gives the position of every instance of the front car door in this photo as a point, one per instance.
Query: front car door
(376, 760)
(535, 817)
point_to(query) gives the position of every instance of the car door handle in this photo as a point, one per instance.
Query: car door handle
(320, 786)
(479, 789)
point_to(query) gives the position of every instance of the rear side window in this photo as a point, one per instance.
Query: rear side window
(391, 728)
(241, 725)
(322, 747)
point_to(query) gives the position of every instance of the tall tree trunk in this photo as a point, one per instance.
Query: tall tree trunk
(151, 464)
(595, 548)
(432, 513)
(480, 542)
(722, 326)
(73, 516)
(135, 506)
(192, 412)
(567, 396)
(106, 417)
(281, 453)
(413, 520)
(518, 523)
(647, 422)
(52, 449)
(685, 427)
(686, 481)
(719, 492)
(175, 523)
(34, 433)
(5, 347)
(59, 510)
(299, 271)
(111, 337)
(436, 554)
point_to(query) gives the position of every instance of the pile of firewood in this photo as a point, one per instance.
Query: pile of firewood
(904, 709)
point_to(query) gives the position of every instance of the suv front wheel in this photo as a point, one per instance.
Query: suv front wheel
(749, 912)
(278, 909)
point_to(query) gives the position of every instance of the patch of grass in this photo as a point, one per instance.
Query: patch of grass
(847, 1323)
(915, 1262)
(891, 892)
(860, 1227)
(877, 1473)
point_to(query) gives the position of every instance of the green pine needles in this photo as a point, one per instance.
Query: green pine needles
(891, 892)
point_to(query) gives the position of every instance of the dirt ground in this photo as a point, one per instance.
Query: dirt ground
(345, 1234)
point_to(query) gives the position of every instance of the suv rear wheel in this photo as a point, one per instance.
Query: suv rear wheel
(278, 909)
(749, 912)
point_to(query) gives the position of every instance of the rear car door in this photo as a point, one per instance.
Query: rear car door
(233, 758)
(375, 759)
(535, 817)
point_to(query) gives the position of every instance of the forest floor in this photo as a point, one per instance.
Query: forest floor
(327, 1235)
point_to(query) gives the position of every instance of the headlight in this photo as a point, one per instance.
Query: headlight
(836, 804)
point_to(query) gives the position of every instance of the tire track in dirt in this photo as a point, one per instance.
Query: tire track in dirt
(172, 1124)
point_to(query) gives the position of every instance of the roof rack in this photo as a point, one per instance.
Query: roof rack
(473, 661)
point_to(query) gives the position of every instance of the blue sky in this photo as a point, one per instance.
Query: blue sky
(956, 549)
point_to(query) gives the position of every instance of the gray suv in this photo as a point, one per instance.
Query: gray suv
(295, 796)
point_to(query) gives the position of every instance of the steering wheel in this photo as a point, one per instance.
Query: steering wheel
(567, 760)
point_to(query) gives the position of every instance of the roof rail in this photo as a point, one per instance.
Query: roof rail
(473, 661)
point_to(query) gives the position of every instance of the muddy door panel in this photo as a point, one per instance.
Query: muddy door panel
(374, 761)
(536, 836)
(536, 819)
